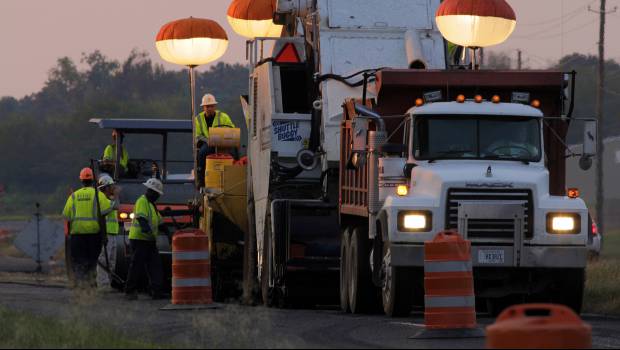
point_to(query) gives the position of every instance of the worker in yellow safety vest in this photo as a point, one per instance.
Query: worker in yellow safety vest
(109, 153)
(107, 265)
(145, 227)
(210, 117)
(84, 232)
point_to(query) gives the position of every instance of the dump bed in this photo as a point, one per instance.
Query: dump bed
(398, 89)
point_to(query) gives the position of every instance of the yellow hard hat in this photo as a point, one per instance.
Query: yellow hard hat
(208, 100)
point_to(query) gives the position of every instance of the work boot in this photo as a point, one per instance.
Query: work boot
(131, 296)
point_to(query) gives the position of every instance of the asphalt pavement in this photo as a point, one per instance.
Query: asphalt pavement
(241, 326)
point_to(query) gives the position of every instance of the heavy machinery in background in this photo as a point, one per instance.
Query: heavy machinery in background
(326, 51)
(219, 210)
(322, 183)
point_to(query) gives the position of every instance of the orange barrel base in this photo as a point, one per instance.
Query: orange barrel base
(191, 268)
(539, 326)
(449, 318)
(449, 299)
(192, 295)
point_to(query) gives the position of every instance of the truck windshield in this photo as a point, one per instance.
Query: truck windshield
(488, 137)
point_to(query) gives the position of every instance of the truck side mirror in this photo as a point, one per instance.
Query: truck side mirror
(590, 138)
(590, 143)
(408, 169)
(356, 160)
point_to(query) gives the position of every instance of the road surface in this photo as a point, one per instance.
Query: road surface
(241, 326)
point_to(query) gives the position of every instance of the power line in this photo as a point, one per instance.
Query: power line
(556, 19)
(545, 37)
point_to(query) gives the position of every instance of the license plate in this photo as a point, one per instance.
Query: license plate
(491, 256)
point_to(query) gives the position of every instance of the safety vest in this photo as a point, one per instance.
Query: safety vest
(110, 154)
(145, 209)
(202, 128)
(111, 221)
(81, 211)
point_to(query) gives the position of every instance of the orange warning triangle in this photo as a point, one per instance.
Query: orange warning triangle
(288, 54)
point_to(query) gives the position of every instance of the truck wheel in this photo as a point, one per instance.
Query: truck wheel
(361, 290)
(344, 273)
(397, 287)
(570, 287)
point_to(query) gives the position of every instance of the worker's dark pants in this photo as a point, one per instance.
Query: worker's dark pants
(145, 259)
(85, 250)
(203, 152)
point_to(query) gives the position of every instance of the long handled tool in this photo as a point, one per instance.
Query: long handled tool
(102, 230)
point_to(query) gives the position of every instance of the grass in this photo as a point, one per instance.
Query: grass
(21, 330)
(602, 295)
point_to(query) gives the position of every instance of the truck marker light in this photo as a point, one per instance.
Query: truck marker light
(536, 103)
(478, 98)
(496, 99)
(402, 190)
(419, 102)
(460, 98)
(573, 193)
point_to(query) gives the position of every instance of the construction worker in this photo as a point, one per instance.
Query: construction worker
(145, 227)
(85, 235)
(210, 117)
(107, 266)
(109, 154)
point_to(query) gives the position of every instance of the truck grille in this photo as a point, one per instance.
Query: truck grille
(490, 228)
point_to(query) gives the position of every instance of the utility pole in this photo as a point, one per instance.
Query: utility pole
(519, 59)
(600, 102)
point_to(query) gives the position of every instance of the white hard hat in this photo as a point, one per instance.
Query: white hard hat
(154, 185)
(208, 100)
(105, 180)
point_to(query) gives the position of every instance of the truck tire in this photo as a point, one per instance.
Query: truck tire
(344, 273)
(397, 287)
(570, 288)
(361, 291)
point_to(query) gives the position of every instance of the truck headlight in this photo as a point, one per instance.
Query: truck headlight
(415, 221)
(564, 223)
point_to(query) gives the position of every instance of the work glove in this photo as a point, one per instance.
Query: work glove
(144, 225)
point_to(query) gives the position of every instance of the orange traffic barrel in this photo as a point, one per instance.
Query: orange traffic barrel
(539, 326)
(449, 299)
(191, 268)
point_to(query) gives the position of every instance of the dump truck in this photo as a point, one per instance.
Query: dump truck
(481, 153)
(309, 188)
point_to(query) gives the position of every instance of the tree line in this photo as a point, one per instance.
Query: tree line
(46, 139)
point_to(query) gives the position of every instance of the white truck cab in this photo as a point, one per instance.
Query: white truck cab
(478, 168)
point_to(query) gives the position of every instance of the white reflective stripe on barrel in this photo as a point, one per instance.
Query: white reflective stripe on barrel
(433, 302)
(447, 266)
(191, 282)
(190, 255)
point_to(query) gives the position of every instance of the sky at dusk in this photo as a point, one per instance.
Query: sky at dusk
(34, 34)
